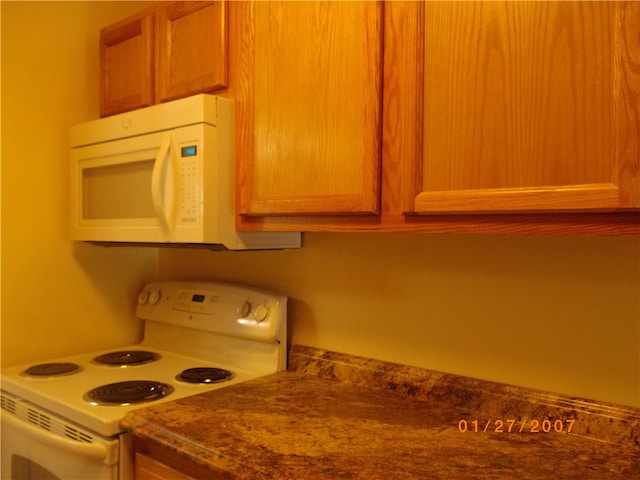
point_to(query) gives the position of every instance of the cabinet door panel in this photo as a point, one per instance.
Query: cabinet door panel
(147, 468)
(192, 49)
(315, 98)
(527, 106)
(126, 56)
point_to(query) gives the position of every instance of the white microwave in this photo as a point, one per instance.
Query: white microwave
(161, 175)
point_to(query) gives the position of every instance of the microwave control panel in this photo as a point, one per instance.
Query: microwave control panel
(191, 173)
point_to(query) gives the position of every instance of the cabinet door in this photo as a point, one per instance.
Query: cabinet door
(311, 108)
(528, 106)
(126, 55)
(192, 49)
(148, 469)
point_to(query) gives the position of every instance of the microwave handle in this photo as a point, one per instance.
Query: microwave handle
(162, 187)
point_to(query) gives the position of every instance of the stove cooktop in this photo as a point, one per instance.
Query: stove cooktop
(67, 395)
(198, 336)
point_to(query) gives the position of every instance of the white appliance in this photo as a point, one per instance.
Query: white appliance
(60, 418)
(162, 174)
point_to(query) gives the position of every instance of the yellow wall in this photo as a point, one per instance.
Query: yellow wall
(557, 313)
(57, 297)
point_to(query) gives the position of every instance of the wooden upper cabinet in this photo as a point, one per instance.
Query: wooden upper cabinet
(126, 59)
(169, 51)
(192, 49)
(526, 106)
(311, 74)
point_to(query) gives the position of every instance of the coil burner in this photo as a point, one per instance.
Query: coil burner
(204, 375)
(128, 393)
(56, 369)
(125, 358)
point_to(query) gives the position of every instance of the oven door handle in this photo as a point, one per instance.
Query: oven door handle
(90, 450)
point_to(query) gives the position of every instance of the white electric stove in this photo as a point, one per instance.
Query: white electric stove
(60, 418)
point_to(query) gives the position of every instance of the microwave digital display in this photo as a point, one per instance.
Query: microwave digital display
(190, 151)
(197, 298)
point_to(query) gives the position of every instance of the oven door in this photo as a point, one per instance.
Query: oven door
(147, 188)
(38, 445)
(121, 189)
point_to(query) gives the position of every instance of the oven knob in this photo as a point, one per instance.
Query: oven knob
(143, 297)
(154, 297)
(244, 309)
(261, 313)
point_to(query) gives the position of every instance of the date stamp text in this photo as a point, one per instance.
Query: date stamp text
(516, 426)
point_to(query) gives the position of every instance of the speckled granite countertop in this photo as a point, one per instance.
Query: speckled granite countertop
(336, 416)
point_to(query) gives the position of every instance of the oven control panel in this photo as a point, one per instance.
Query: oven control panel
(197, 302)
(215, 307)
